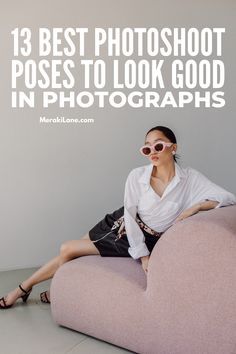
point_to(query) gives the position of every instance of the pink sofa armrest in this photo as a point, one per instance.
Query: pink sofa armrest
(191, 285)
(201, 244)
(187, 306)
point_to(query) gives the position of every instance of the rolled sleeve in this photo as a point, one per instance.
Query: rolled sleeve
(138, 251)
(225, 199)
(136, 239)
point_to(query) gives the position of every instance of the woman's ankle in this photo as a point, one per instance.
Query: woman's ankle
(26, 286)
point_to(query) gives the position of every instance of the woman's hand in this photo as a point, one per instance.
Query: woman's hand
(188, 212)
(144, 261)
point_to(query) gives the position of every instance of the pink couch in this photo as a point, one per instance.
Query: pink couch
(185, 305)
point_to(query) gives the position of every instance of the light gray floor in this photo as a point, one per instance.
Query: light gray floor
(29, 328)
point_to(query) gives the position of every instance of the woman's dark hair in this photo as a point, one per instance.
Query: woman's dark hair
(168, 134)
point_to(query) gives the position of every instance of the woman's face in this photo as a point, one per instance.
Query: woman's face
(163, 157)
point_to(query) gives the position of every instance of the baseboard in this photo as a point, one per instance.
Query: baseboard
(17, 267)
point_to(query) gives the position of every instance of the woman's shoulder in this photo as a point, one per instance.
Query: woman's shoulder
(195, 175)
(188, 170)
(140, 171)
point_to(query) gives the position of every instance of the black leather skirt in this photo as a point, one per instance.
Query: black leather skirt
(109, 235)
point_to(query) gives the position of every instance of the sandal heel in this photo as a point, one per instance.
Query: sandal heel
(25, 297)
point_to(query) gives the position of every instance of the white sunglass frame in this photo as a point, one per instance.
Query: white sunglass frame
(152, 147)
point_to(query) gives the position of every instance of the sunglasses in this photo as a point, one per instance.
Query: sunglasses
(157, 147)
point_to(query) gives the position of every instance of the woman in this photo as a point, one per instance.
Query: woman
(157, 195)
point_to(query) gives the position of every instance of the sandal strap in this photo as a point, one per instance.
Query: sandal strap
(26, 292)
(46, 296)
(4, 302)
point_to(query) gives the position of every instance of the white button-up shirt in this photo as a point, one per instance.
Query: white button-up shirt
(187, 187)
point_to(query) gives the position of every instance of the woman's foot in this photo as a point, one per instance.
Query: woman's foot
(45, 297)
(11, 297)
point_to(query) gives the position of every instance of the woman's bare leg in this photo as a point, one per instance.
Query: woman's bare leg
(85, 237)
(69, 250)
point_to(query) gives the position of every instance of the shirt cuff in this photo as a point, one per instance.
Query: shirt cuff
(139, 251)
(218, 205)
(222, 201)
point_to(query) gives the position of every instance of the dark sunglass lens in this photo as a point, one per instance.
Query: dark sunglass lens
(159, 147)
(146, 150)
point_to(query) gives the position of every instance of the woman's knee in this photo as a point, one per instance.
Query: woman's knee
(65, 250)
(77, 248)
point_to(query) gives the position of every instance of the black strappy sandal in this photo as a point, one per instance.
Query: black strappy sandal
(23, 297)
(47, 301)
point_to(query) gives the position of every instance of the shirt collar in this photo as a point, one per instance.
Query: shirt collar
(146, 175)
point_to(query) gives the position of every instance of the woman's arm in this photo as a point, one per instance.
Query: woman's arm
(202, 189)
(204, 195)
(206, 205)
